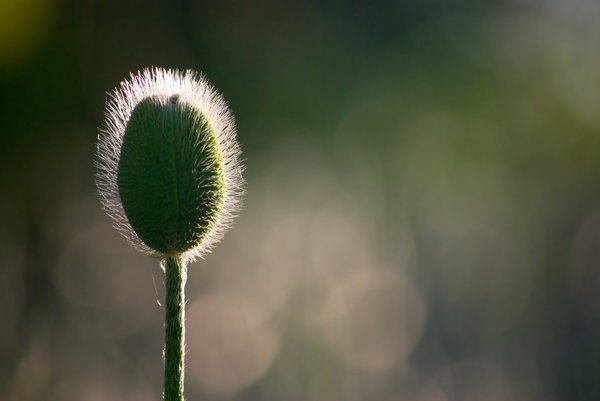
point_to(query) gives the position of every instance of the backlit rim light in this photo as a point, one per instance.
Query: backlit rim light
(194, 89)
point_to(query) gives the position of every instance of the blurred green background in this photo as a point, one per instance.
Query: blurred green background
(422, 219)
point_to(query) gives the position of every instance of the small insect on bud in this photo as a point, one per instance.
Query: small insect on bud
(168, 169)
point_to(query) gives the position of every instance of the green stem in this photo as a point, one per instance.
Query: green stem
(175, 271)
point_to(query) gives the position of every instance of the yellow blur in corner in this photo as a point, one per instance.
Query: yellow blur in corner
(24, 25)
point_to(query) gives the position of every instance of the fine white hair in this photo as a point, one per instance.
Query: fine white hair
(191, 88)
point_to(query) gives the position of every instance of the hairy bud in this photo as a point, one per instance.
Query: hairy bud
(168, 169)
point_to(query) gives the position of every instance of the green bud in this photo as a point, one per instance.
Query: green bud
(168, 163)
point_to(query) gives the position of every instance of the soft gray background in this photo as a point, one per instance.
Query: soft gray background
(422, 218)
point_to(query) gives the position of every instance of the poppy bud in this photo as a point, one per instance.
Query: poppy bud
(168, 169)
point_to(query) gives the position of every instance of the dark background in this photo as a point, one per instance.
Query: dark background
(422, 218)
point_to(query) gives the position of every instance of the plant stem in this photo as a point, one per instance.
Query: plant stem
(175, 271)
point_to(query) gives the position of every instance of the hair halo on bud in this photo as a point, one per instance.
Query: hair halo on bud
(168, 163)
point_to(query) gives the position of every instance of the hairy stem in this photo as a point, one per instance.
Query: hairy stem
(175, 271)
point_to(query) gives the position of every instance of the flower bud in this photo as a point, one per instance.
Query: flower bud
(168, 164)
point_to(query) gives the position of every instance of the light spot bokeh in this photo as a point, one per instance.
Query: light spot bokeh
(421, 220)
